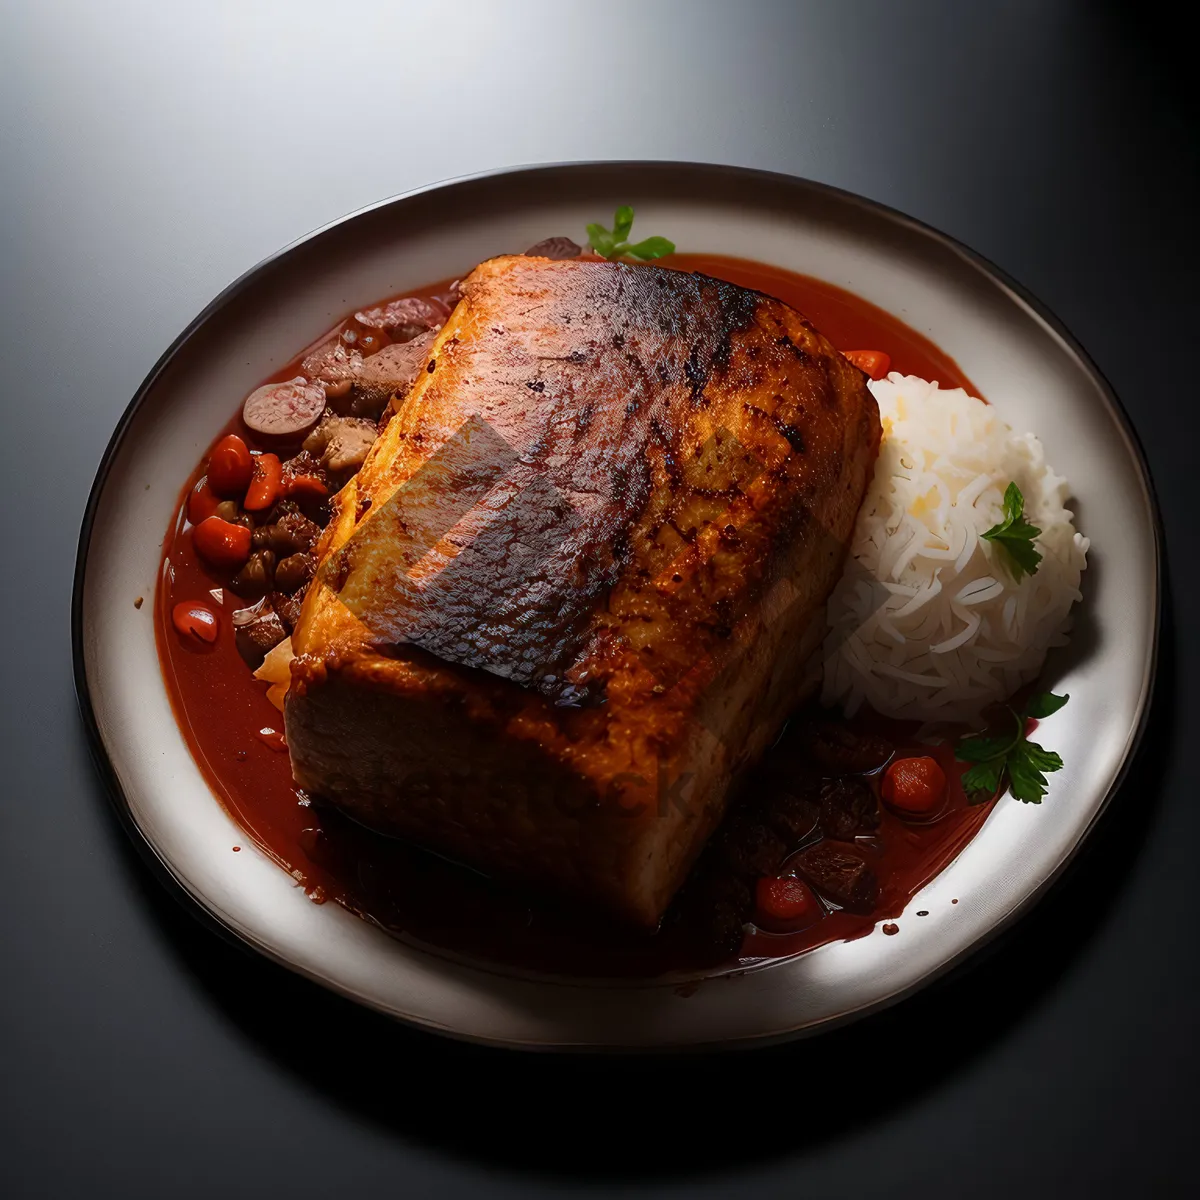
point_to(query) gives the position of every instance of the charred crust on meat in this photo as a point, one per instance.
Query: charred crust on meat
(697, 374)
(525, 616)
(797, 351)
(738, 309)
(337, 570)
(791, 434)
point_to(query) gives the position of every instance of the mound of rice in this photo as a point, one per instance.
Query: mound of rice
(927, 621)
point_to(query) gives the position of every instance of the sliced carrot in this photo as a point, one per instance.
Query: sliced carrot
(783, 903)
(222, 544)
(915, 787)
(230, 467)
(306, 487)
(874, 362)
(202, 502)
(266, 486)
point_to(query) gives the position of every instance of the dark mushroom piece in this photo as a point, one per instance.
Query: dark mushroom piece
(257, 576)
(293, 572)
(257, 630)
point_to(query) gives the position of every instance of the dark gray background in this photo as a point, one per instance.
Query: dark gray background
(152, 152)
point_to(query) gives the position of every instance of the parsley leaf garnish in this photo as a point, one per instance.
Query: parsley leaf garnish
(1015, 535)
(1011, 760)
(1045, 704)
(613, 243)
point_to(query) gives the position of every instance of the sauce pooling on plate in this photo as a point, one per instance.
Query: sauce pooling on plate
(832, 834)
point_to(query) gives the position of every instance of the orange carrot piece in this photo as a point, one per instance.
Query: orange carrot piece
(874, 363)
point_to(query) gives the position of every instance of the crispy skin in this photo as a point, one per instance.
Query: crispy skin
(574, 585)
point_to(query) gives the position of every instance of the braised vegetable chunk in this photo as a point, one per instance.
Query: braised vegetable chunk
(256, 576)
(785, 903)
(293, 572)
(842, 876)
(230, 467)
(915, 786)
(873, 362)
(257, 630)
(202, 502)
(793, 816)
(848, 809)
(222, 544)
(266, 483)
(289, 532)
(341, 444)
(835, 747)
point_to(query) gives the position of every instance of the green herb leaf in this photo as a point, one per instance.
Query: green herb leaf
(601, 240)
(1044, 704)
(1039, 757)
(651, 247)
(982, 749)
(982, 781)
(1011, 759)
(611, 243)
(1015, 535)
(1026, 765)
(622, 223)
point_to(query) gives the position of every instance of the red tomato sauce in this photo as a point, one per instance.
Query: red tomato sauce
(235, 736)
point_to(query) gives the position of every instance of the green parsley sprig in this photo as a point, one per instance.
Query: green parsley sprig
(1015, 535)
(613, 243)
(1011, 760)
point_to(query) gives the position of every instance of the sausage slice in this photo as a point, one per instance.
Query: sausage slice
(554, 247)
(404, 319)
(282, 410)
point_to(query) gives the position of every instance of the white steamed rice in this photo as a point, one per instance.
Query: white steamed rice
(927, 621)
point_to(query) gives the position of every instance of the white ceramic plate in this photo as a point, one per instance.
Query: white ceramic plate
(1017, 354)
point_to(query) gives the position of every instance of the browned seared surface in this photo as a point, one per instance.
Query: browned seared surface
(573, 585)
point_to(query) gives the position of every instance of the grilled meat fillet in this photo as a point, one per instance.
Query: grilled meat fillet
(573, 587)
